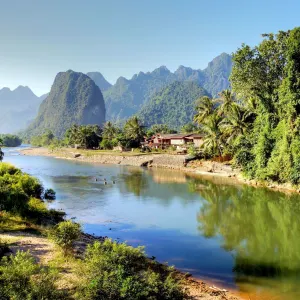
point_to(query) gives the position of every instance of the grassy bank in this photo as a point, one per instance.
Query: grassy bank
(45, 257)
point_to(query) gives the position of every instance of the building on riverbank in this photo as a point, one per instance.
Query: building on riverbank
(177, 140)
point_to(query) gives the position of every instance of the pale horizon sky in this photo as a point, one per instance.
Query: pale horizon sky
(121, 38)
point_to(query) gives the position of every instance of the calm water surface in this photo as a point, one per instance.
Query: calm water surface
(233, 235)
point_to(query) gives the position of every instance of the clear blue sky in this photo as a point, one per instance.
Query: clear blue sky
(122, 37)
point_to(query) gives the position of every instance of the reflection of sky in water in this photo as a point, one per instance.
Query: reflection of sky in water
(173, 215)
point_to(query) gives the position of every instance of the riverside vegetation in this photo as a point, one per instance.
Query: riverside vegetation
(111, 270)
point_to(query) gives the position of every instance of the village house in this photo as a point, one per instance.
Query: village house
(178, 140)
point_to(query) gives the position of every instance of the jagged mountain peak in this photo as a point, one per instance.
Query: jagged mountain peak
(75, 95)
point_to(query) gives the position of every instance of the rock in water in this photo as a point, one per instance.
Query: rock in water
(74, 98)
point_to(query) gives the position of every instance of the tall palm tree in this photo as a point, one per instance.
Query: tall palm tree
(227, 102)
(134, 130)
(205, 108)
(110, 131)
(213, 141)
(234, 125)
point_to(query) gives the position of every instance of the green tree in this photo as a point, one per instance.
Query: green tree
(227, 102)
(134, 131)
(110, 131)
(234, 125)
(86, 136)
(213, 142)
(189, 128)
(10, 140)
(204, 108)
(159, 128)
(266, 78)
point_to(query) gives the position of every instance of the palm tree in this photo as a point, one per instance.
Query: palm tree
(110, 131)
(234, 125)
(134, 130)
(227, 102)
(205, 108)
(213, 142)
(250, 108)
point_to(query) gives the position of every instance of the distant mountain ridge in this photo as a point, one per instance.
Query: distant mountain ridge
(174, 105)
(127, 96)
(123, 99)
(74, 98)
(17, 108)
(98, 78)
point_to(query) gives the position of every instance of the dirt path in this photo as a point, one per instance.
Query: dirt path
(39, 247)
(44, 251)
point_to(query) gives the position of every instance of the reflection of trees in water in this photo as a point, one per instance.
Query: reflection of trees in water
(164, 186)
(261, 226)
(135, 182)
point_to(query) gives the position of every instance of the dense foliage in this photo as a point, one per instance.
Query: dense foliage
(10, 140)
(117, 271)
(74, 98)
(268, 75)
(258, 123)
(21, 194)
(22, 278)
(126, 97)
(42, 140)
(159, 128)
(85, 136)
(174, 105)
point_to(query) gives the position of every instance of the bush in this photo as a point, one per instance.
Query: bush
(49, 194)
(6, 168)
(10, 140)
(21, 278)
(65, 234)
(117, 271)
(3, 248)
(108, 144)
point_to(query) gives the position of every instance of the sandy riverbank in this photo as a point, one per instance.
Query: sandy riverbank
(169, 161)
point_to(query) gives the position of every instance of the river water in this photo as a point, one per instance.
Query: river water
(232, 235)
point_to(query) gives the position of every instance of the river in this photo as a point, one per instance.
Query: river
(230, 234)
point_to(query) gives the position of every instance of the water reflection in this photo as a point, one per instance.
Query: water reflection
(239, 235)
(261, 226)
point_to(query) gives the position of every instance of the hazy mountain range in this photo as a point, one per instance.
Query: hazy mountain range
(125, 98)
(17, 108)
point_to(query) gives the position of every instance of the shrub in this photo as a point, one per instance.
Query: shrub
(3, 248)
(65, 234)
(21, 278)
(118, 271)
(49, 194)
(30, 185)
(107, 144)
(6, 168)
